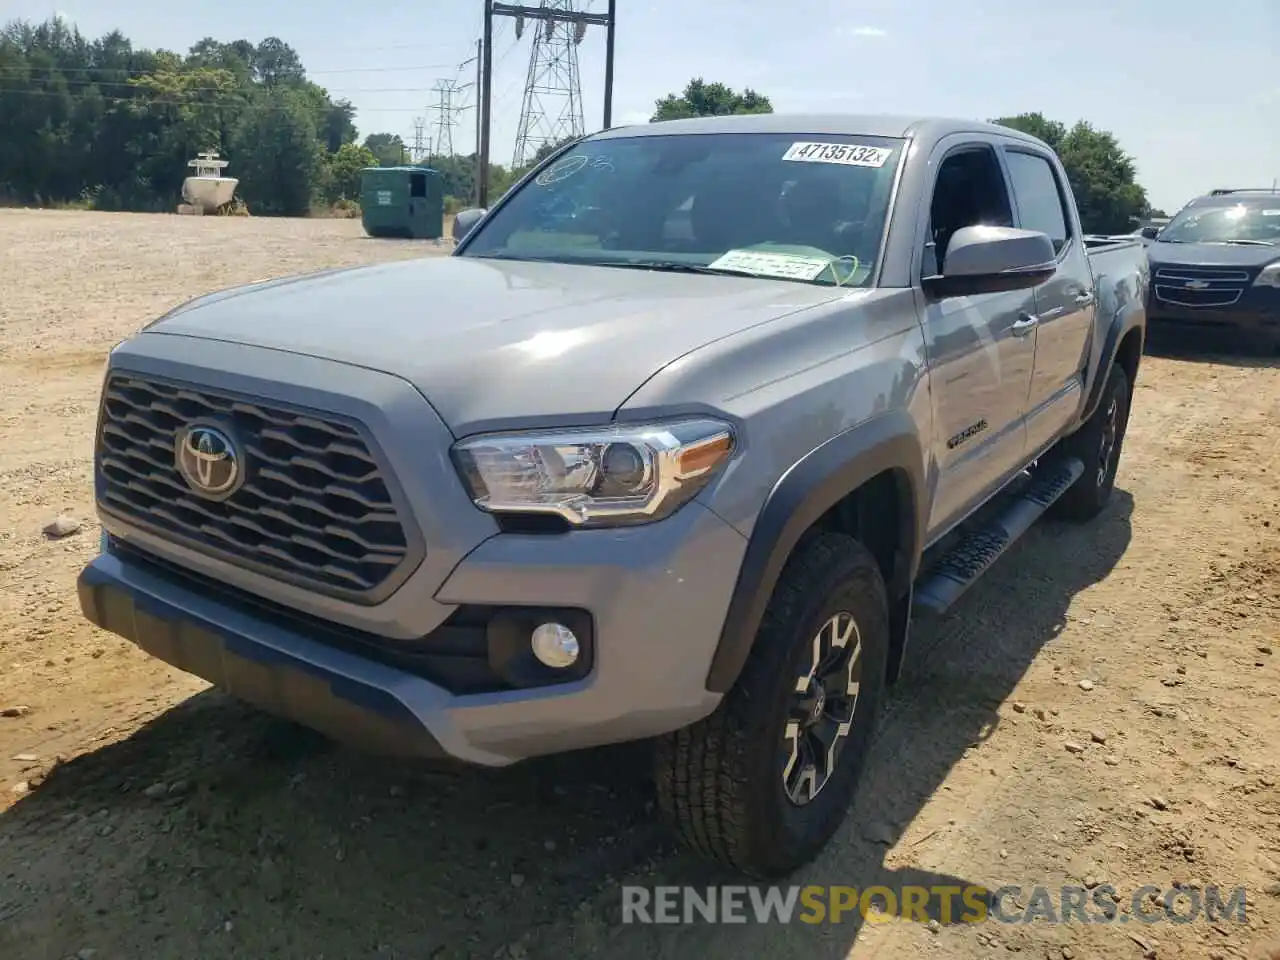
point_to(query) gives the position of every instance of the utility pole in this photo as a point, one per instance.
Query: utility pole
(478, 83)
(608, 64)
(486, 101)
(546, 74)
(479, 89)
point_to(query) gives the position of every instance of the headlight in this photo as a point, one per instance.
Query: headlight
(1270, 276)
(621, 474)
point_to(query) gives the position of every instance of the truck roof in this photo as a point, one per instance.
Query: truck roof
(810, 124)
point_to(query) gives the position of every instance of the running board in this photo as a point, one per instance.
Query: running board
(973, 556)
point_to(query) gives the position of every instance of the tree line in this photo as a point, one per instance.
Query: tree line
(104, 124)
(1103, 177)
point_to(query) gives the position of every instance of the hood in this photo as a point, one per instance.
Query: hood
(497, 342)
(1212, 254)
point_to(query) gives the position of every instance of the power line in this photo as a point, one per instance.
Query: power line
(224, 101)
(229, 93)
(515, 42)
(25, 72)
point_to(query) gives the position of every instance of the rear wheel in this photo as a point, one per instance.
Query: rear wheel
(763, 783)
(1097, 444)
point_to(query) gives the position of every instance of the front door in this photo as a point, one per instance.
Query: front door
(1064, 305)
(981, 348)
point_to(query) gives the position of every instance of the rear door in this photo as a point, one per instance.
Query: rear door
(1064, 305)
(980, 348)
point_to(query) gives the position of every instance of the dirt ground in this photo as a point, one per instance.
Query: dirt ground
(1103, 708)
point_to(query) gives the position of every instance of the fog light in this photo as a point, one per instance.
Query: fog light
(555, 645)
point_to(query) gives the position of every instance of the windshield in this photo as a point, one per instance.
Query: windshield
(791, 207)
(1248, 221)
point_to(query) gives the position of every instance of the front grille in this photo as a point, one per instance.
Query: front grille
(1210, 286)
(314, 508)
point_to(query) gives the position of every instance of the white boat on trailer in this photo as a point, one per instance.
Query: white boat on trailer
(208, 191)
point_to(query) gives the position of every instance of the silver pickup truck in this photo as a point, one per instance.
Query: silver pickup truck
(675, 445)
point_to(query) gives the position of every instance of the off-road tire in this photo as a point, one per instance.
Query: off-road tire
(1091, 493)
(720, 781)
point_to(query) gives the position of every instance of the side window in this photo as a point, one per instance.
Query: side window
(970, 191)
(1039, 197)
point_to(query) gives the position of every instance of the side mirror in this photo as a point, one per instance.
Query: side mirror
(993, 260)
(465, 222)
(1149, 233)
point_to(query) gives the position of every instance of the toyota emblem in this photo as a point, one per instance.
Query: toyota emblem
(208, 460)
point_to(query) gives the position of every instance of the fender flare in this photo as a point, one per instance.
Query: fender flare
(801, 496)
(1131, 317)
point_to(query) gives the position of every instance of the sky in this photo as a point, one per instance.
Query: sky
(1190, 89)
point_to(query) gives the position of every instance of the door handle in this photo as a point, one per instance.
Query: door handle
(1025, 323)
(1084, 300)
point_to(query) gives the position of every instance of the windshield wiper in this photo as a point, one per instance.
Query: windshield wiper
(668, 266)
(1251, 243)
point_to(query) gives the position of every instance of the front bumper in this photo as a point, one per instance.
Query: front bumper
(1256, 313)
(656, 595)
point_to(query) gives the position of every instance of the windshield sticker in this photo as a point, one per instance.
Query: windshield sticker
(1271, 213)
(561, 170)
(849, 154)
(782, 265)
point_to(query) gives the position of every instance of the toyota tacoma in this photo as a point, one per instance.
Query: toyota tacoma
(674, 446)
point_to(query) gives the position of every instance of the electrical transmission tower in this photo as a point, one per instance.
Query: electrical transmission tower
(552, 107)
(446, 115)
(553, 75)
(419, 129)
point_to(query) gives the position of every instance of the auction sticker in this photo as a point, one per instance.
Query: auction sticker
(787, 266)
(848, 154)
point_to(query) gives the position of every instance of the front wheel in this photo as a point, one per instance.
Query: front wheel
(763, 783)
(1097, 444)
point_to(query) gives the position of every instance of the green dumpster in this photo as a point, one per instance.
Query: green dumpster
(402, 202)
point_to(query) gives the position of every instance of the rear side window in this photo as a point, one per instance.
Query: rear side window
(1039, 199)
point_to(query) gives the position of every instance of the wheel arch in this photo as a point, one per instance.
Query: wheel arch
(868, 482)
(1123, 344)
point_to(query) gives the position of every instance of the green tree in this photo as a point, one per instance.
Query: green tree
(277, 64)
(389, 148)
(102, 122)
(342, 180)
(702, 99)
(458, 175)
(1103, 177)
(339, 124)
(278, 154)
(188, 111)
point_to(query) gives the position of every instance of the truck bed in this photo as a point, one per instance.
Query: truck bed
(1119, 271)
